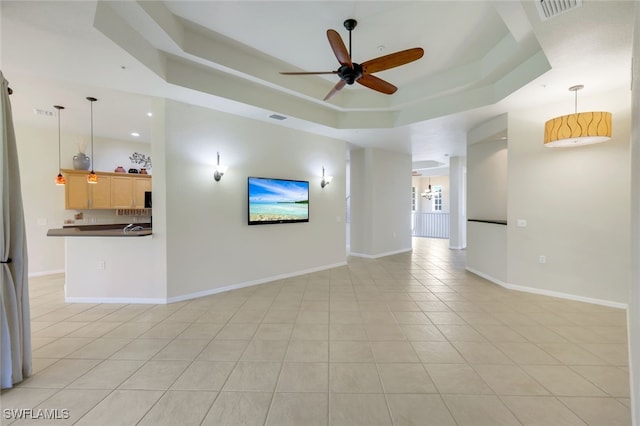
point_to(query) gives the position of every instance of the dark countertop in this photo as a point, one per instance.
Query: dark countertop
(111, 230)
(494, 221)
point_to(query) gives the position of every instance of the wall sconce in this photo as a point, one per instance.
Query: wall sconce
(326, 180)
(220, 170)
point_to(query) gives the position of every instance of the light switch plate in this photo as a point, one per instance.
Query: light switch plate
(522, 223)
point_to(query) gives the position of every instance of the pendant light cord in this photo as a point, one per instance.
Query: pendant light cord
(59, 108)
(92, 165)
(575, 89)
(92, 100)
(59, 164)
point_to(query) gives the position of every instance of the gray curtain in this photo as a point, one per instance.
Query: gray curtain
(15, 326)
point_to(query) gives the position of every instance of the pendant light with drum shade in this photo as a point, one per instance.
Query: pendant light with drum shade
(60, 180)
(584, 128)
(92, 177)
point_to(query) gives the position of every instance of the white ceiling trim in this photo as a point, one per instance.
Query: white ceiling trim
(216, 65)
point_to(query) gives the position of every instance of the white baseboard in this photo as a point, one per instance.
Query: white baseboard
(122, 300)
(163, 301)
(251, 283)
(551, 293)
(45, 273)
(376, 256)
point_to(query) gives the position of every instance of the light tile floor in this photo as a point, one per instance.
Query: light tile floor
(410, 339)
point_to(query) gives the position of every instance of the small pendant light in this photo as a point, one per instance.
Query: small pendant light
(60, 180)
(92, 177)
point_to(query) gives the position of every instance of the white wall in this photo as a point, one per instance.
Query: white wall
(487, 180)
(129, 275)
(487, 189)
(576, 203)
(487, 253)
(458, 204)
(633, 314)
(380, 202)
(209, 244)
(44, 201)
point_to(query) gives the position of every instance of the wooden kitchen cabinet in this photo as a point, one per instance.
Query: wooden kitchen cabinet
(128, 191)
(80, 195)
(140, 186)
(113, 191)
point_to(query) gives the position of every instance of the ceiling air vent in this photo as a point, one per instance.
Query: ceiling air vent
(550, 8)
(278, 117)
(44, 112)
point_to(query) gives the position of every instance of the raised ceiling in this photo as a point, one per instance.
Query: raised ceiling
(481, 58)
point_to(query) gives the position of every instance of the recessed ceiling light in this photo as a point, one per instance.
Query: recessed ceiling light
(136, 134)
(278, 117)
(149, 114)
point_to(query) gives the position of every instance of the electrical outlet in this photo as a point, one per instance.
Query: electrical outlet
(101, 265)
(542, 259)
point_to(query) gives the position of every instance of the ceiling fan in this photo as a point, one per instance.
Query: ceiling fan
(350, 72)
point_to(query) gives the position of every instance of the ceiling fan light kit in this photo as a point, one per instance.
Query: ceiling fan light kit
(351, 72)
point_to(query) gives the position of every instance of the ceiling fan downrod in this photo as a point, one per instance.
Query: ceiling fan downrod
(350, 24)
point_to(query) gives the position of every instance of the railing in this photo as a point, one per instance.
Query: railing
(432, 225)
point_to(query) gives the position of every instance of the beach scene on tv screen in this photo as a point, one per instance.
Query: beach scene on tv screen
(273, 200)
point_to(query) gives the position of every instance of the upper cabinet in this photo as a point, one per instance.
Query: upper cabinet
(128, 191)
(113, 191)
(80, 195)
(140, 186)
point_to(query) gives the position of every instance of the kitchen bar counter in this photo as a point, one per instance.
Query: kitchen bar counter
(103, 269)
(111, 230)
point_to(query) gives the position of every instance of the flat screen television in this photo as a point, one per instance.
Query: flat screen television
(277, 200)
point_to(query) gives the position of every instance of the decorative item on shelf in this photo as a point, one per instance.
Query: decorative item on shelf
(326, 180)
(428, 194)
(81, 161)
(141, 159)
(120, 169)
(133, 170)
(220, 170)
(143, 171)
(60, 180)
(577, 129)
(92, 177)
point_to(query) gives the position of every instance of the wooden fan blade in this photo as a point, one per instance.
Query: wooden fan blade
(339, 49)
(308, 72)
(392, 60)
(335, 90)
(378, 84)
